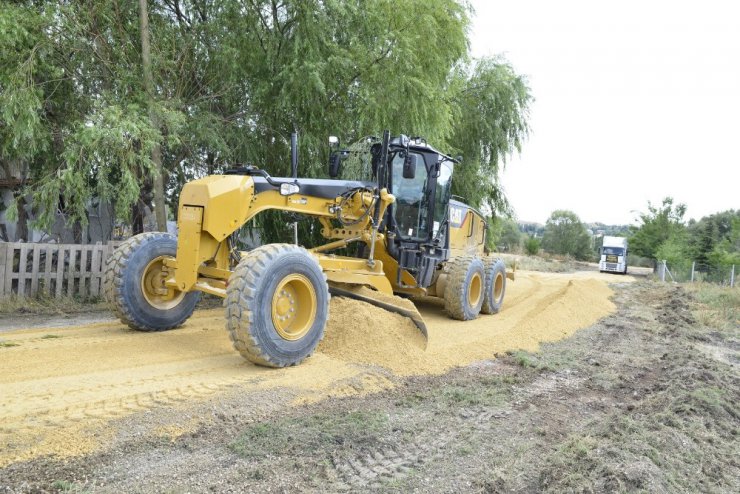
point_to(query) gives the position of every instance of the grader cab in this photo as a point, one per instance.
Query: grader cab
(413, 239)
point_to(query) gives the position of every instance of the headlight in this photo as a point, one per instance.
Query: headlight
(287, 189)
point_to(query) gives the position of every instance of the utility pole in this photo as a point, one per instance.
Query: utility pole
(160, 209)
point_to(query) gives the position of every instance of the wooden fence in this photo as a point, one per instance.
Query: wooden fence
(55, 270)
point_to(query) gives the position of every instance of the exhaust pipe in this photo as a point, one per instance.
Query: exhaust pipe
(294, 170)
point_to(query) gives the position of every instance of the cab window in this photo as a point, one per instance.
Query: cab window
(410, 209)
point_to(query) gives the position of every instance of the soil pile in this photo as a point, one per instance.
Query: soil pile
(537, 308)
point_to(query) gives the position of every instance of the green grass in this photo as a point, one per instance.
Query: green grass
(51, 336)
(66, 486)
(309, 433)
(719, 306)
(8, 344)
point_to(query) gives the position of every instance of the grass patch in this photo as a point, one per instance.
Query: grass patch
(310, 433)
(537, 263)
(48, 306)
(51, 336)
(490, 391)
(66, 486)
(524, 359)
(719, 306)
(8, 344)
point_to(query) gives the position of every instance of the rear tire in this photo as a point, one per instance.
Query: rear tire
(464, 292)
(495, 286)
(131, 276)
(277, 305)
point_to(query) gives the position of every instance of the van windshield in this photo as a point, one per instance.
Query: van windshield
(614, 251)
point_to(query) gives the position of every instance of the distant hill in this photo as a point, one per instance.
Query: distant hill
(531, 228)
(600, 229)
(534, 229)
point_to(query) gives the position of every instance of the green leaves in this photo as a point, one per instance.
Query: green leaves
(232, 80)
(566, 235)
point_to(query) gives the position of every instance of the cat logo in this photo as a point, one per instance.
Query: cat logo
(456, 216)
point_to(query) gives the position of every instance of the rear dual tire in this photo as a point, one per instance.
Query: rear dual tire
(495, 286)
(464, 292)
(474, 286)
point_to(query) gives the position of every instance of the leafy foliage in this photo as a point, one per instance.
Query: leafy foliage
(566, 235)
(659, 224)
(532, 246)
(713, 241)
(232, 80)
(505, 235)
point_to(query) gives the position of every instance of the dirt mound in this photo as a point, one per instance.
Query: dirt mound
(360, 332)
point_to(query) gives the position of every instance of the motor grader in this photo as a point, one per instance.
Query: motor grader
(414, 240)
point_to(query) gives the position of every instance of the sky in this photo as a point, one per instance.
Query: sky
(634, 101)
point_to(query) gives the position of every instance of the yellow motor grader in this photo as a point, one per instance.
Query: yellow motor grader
(413, 238)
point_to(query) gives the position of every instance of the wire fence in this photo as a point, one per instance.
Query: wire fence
(694, 272)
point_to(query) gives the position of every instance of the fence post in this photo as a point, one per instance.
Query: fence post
(693, 265)
(661, 268)
(3, 262)
(732, 277)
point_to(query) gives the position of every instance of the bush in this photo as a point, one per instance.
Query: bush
(532, 246)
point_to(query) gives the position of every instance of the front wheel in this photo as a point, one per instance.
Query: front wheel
(134, 284)
(277, 305)
(495, 286)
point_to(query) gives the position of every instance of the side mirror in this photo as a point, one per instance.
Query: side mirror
(335, 163)
(409, 165)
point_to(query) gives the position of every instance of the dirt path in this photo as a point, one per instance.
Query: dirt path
(62, 386)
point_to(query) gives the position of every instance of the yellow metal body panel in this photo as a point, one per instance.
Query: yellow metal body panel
(355, 271)
(224, 196)
(214, 207)
(470, 236)
(189, 226)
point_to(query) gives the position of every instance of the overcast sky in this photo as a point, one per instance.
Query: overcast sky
(635, 101)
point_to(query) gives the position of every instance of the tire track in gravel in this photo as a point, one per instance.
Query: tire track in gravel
(371, 468)
(54, 387)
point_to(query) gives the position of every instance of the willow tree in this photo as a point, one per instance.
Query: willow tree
(232, 79)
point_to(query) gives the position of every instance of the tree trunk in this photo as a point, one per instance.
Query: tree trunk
(160, 208)
(137, 218)
(21, 226)
(77, 232)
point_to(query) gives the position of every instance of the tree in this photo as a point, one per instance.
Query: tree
(566, 235)
(227, 82)
(711, 234)
(532, 246)
(160, 209)
(659, 226)
(508, 238)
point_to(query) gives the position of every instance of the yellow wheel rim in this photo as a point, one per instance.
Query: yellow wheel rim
(498, 286)
(475, 290)
(153, 288)
(294, 307)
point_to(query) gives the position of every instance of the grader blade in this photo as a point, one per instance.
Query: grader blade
(390, 303)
